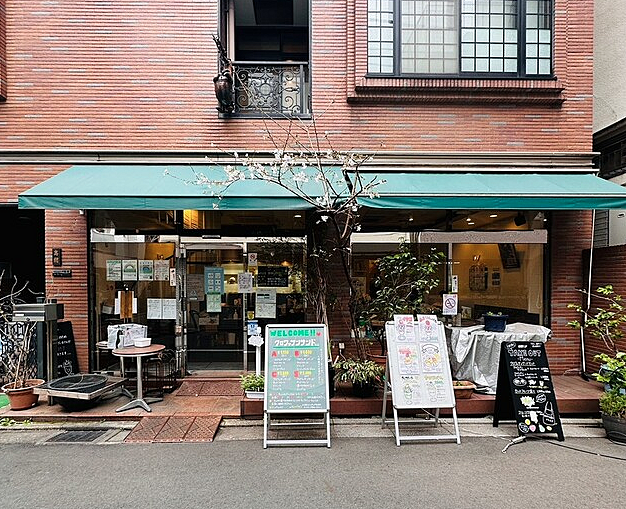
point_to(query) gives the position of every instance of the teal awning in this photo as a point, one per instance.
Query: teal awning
(149, 187)
(514, 191)
(156, 187)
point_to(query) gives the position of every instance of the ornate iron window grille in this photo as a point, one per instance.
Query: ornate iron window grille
(275, 89)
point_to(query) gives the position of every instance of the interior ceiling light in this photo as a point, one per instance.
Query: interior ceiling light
(298, 216)
(410, 218)
(520, 219)
(471, 222)
(468, 219)
(493, 215)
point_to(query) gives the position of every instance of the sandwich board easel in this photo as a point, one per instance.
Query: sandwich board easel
(418, 374)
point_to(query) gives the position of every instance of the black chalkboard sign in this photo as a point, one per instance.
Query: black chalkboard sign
(272, 276)
(67, 360)
(525, 392)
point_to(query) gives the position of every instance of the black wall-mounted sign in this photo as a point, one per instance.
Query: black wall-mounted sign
(67, 360)
(62, 273)
(57, 257)
(525, 392)
(272, 276)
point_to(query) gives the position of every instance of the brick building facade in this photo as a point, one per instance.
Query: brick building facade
(133, 82)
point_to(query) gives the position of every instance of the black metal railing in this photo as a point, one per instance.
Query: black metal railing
(276, 89)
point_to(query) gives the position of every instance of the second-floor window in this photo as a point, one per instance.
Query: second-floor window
(508, 38)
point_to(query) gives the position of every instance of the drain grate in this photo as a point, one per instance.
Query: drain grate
(77, 436)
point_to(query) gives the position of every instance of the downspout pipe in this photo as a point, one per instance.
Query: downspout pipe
(583, 372)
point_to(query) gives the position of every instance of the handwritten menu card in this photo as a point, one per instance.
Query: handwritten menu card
(525, 392)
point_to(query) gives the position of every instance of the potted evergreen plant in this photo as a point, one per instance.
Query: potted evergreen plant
(403, 281)
(364, 375)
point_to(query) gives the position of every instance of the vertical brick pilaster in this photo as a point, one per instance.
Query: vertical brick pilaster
(67, 229)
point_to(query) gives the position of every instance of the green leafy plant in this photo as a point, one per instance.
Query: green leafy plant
(613, 403)
(612, 370)
(605, 323)
(403, 281)
(252, 382)
(359, 371)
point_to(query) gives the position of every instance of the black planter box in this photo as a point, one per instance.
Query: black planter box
(495, 323)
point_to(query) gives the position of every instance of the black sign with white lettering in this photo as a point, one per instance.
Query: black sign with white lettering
(272, 276)
(67, 360)
(525, 392)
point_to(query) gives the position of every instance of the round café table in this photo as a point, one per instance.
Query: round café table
(138, 353)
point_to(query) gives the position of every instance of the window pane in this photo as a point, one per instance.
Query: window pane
(482, 50)
(531, 66)
(496, 65)
(386, 65)
(544, 66)
(482, 64)
(510, 50)
(510, 65)
(496, 50)
(467, 65)
(544, 50)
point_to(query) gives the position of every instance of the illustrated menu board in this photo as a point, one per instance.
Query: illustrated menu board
(66, 358)
(525, 392)
(296, 368)
(418, 363)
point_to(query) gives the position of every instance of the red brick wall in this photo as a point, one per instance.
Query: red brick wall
(3, 51)
(570, 235)
(67, 229)
(139, 76)
(606, 270)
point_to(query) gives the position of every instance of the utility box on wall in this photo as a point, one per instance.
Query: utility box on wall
(617, 227)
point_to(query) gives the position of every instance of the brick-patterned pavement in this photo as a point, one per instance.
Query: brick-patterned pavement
(175, 429)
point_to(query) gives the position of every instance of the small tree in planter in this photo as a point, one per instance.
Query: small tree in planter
(607, 323)
(404, 280)
(18, 367)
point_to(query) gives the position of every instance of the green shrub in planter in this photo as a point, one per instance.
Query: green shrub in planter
(253, 382)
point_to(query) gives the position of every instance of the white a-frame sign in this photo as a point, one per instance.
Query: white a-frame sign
(418, 372)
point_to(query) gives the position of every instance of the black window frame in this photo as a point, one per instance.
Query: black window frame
(521, 49)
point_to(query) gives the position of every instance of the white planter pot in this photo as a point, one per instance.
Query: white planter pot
(254, 394)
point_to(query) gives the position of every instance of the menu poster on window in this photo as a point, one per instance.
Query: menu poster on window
(168, 309)
(114, 270)
(155, 311)
(244, 282)
(265, 303)
(146, 270)
(213, 280)
(161, 309)
(161, 270)
(129, 270)
(296, 368)
(195, 287)
(214, 302)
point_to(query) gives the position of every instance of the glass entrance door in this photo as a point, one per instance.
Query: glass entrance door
(214, 307)
(234, 287)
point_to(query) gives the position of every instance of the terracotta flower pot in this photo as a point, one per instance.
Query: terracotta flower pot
(23, 398)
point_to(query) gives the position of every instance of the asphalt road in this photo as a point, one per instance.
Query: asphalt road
(364, 472)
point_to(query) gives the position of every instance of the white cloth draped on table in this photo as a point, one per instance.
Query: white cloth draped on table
(475, 353)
